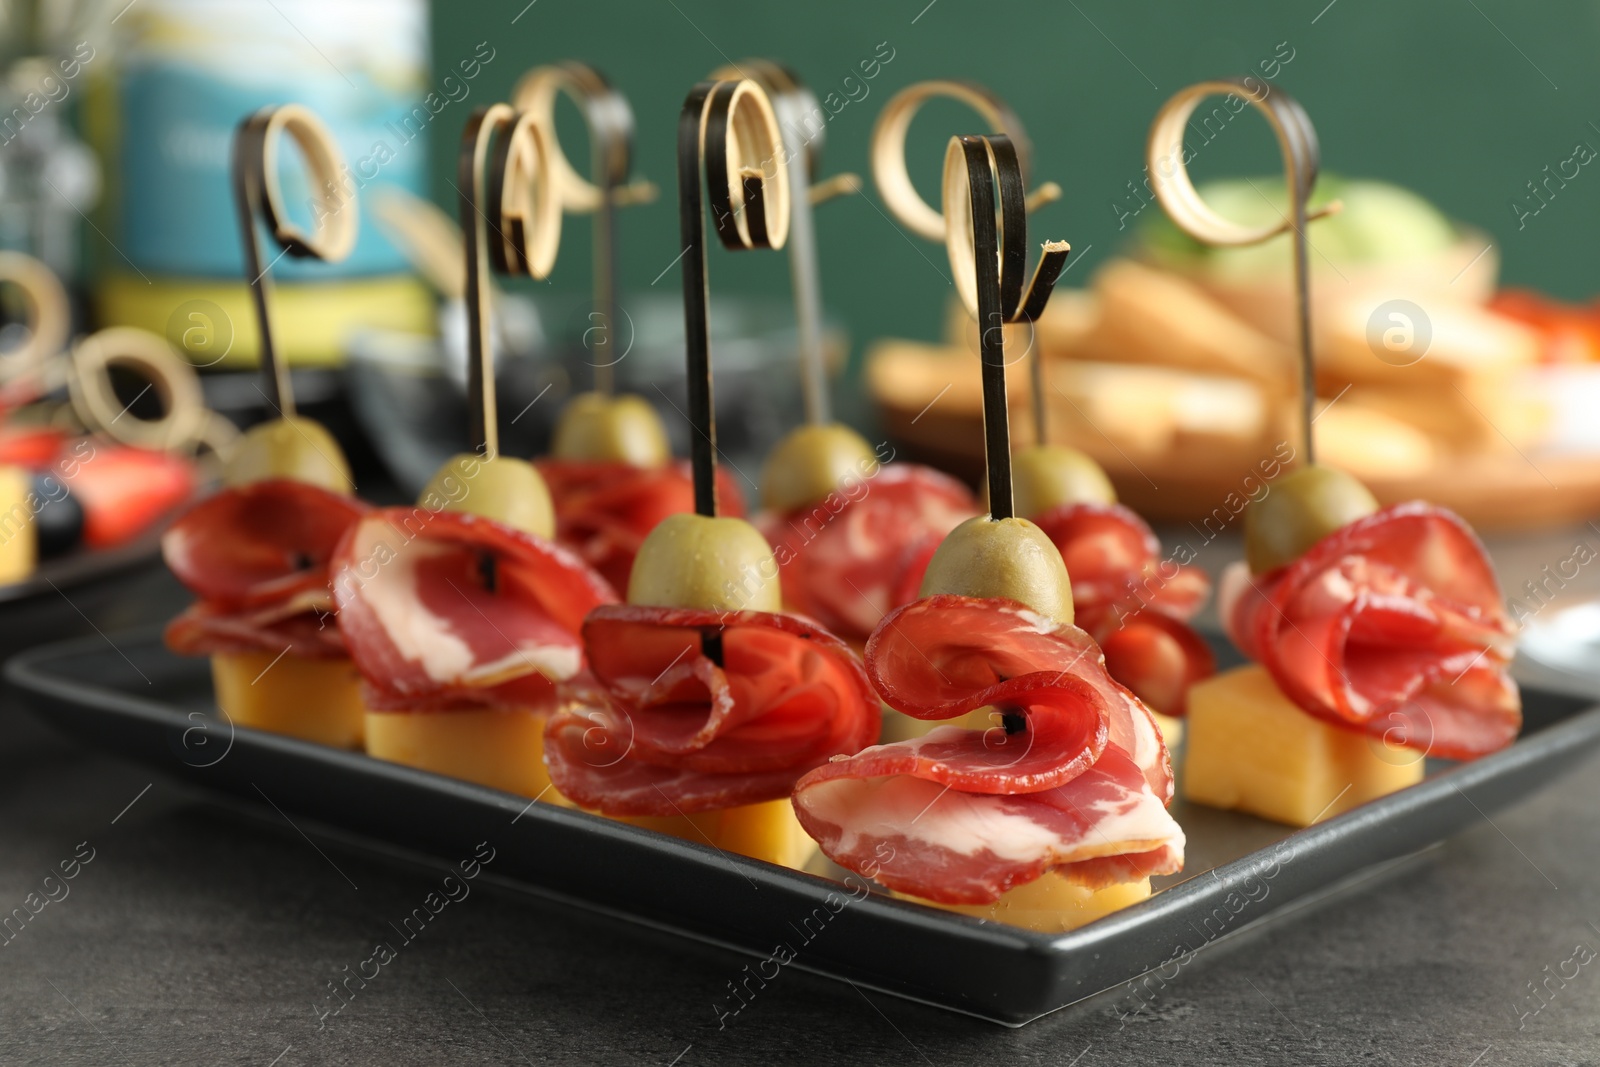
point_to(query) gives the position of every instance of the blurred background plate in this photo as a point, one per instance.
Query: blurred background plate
(408, 390)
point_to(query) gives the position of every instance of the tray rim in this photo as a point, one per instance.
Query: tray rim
(1564, 742)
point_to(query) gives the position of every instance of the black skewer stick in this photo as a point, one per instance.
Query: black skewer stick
(991, 327)
(256, 195)
(998, 257)
(748, 225)
(710, 140)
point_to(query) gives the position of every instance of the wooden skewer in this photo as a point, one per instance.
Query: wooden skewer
(611, 128)
(49, 325)
(1297, 141)
(183, 421)
(516, 186)
(728, 129)
(900, 196)
(793, 104)
(987, 262)
(257, 193)
(889, 150)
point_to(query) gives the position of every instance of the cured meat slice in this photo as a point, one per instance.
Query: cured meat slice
(1393, 624)
(844, 561)
(667, 731)
(1073, 778)
(446, 609)
(605, 510)
(257, 556)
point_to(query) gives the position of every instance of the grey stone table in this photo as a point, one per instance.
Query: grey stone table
(201, 931)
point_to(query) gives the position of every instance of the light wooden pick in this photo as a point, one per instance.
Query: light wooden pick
(516, 186)
(611, 128)
(1297, 141)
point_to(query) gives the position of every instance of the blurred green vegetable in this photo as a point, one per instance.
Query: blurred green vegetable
(1380, 224)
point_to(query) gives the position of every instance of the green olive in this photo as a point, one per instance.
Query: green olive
(295, 448)
(1012, 558)
(812, 462)
(1047, 476)
(693, 561)
(506, 490)
(622, 428)
(1299, 510)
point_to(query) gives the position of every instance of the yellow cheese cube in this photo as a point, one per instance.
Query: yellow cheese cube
(1250, 749)
(766, 831)
(19, 537)
(497, 747)
(1050, 903)
(312, 699)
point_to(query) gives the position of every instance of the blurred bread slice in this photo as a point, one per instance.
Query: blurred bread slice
(1148, 315)
(1465, 342)
(927, 391)
(1489, 413)
(1148, 410)
(1369, 443)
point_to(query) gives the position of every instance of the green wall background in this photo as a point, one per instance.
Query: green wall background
(1464, 101)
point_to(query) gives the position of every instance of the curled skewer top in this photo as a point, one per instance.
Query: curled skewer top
(258, 194)
(515, 186)
(804, 134)
(998, 554)
(47, 319)
(611, 128)
(984, 205)
(1297, 141)
(889, 150)
(729, 130)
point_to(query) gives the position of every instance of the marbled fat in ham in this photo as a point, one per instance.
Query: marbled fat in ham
(843, 561)
(445, 610)
(1076, 782)
(666, 731)
(257, 556)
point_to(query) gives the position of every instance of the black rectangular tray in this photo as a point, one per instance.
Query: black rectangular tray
(134, 698)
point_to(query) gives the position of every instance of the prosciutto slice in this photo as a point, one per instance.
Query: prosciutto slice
(844, 561)
(604, 511)
(446, 610)
(669, 732)
(1073, 778)
(257, 556)
(1394, 625)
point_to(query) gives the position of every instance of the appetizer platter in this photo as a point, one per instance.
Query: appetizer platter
(1241, 868)
(967, 748)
